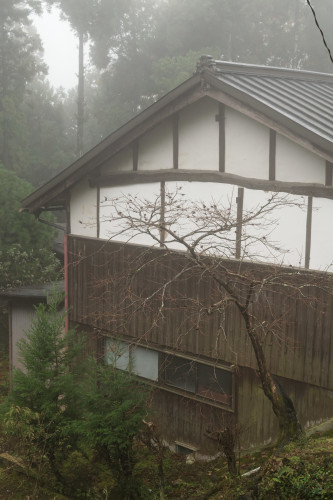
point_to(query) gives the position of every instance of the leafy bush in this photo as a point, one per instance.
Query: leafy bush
(15, 227)
(303, 472)
(44, 403)
(19, 267)
(115, 407)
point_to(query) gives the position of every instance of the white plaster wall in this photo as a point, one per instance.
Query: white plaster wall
(321, 255)
(121, 162)
(278, 236)
(156, 148)
(22, 316)
(296, 164)
(246, 146)
(199, 136)
(194, 197)
(83, 210)
(115, 227)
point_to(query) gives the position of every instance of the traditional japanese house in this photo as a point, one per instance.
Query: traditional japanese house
(234, 132)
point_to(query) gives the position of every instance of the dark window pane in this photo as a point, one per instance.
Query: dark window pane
(214, 383)
(180, 373)
(183, 450)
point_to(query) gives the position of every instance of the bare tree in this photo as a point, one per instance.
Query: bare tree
(199, 241)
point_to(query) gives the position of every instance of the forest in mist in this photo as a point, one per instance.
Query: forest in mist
(138, 51)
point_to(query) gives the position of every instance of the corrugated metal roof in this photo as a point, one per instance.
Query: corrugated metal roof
(304, 97)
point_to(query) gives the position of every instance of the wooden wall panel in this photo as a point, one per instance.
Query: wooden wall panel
(258, 424)
(109, 282)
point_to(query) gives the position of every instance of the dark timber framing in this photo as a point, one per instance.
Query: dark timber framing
(175, 134)
(98, 210)
(308, 233)
(162, 218)
(329, 174)
(146, 176)
(272, 154)
(135, 156)
(240, 201)
(221, 120)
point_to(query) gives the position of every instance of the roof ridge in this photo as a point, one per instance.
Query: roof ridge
(207, 62)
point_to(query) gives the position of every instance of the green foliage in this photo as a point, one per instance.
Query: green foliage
(302, 472)
(54, 412)
(45, 399)
(20, 267)
(115, 407)
(168, 72)
(20, 51)
(15, 227)
(49, 137)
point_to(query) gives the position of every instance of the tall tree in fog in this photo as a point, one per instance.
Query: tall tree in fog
(50, 136)
(20, 61)
(159, 42)
(81, 17)
(101, 22)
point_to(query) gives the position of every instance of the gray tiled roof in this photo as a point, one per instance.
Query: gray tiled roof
(304, 97)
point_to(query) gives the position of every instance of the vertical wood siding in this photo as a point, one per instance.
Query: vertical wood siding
(101, 304)
(108, 292)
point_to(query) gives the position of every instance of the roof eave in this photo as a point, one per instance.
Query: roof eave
(45, 194)
(323, 145)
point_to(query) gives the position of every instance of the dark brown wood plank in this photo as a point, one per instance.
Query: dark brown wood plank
(240, 202)
(98, 211)
(175, 137)
(329, 174)
(308, 233)
(221, 118)
(162, 221)
(272, 155)
(93, 298)
(135, 156)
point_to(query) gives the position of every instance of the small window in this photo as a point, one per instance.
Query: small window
(198, 378)
(182, 449)
(138, 360)
(117, 354)
(214, 383)
(181, 373)
(144, 362)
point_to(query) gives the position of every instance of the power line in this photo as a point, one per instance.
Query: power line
(321, 31)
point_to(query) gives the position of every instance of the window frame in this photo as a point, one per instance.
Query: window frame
(229, 402)
(162, 383)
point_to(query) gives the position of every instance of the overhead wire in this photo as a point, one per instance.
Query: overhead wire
(321, 31)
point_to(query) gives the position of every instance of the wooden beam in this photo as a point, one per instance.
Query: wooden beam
(329, 174)
(272, 154)
(247, 110)
(308, 233)
(147, 176)
(135, 150)
(221, 120)
(98, 210)
(175, 135)
(102, 153)
(240, 202)
(162, 219)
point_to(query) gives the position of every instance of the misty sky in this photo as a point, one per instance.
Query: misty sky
(60, 49)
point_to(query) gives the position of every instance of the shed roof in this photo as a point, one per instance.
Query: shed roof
(299, 101)
(38, 292)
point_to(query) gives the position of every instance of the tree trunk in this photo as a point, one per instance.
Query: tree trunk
(289, 426)
(80, 98)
